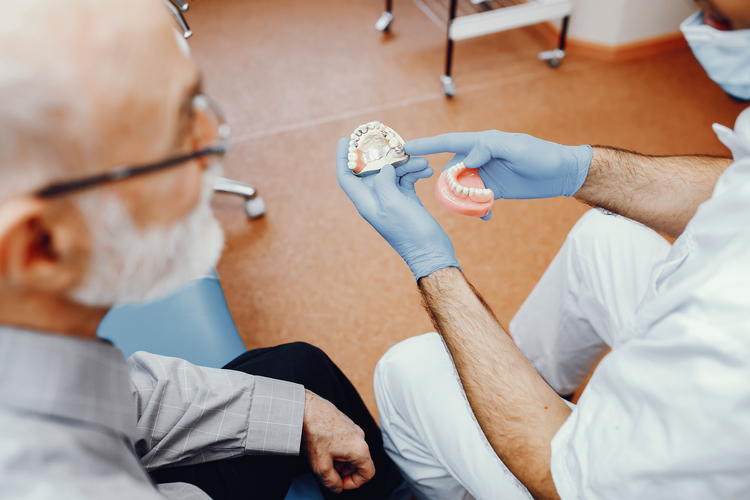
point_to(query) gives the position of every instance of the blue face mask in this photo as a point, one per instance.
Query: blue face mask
(725, 55)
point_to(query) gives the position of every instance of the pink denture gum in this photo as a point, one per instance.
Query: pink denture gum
(461, 190)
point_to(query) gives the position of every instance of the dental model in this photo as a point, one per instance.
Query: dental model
(374, 146)
(461, 190)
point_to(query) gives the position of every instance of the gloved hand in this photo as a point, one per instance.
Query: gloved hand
(387, 201)
(514, 166)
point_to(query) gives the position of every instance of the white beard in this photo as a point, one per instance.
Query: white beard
(131, 265)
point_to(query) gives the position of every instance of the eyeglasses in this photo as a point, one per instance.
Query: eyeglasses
(202, 104)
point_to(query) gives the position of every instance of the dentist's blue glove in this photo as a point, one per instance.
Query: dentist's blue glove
(388, 202)
(513, 166)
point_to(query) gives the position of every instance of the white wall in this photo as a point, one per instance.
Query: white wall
(617, 22)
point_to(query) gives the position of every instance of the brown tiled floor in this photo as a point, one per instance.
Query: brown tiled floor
(296, 75)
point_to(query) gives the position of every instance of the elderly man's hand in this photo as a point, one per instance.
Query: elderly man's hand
(335, 446)
(387, 201)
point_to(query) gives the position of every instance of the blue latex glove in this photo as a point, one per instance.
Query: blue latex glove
(387, 201)
(513, 166)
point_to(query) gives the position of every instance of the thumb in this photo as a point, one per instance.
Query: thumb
(488, 216)
(458, 157)
(329, 476)
(408, 180)
(355, 480)
(385, 182)
(477, 156)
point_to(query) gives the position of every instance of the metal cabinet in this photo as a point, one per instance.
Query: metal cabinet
(472, 18)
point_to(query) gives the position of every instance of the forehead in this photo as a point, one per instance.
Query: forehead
(135, 86)
(92, 41)
(115, 67)
(143, 89)
(86, 86)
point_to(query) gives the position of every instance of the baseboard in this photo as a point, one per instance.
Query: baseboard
(617, 53)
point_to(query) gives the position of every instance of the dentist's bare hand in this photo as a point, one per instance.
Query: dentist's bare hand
(335, 446)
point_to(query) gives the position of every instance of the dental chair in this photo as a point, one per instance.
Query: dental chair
(192, 323)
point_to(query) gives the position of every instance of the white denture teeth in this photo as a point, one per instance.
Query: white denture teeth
(479, 195)
(375, 145)
(352, 165)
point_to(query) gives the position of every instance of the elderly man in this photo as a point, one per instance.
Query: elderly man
(667, 413)
(86, 87)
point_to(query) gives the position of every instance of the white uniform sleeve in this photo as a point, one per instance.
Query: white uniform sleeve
(667, 413)
(189, 414)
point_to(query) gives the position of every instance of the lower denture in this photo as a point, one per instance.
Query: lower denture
(461, 190)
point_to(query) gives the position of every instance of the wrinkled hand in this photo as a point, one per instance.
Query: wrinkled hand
(513, 166)
(387, 201)
(335, 446)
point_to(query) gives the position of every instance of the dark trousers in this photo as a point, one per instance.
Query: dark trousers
(269, 477)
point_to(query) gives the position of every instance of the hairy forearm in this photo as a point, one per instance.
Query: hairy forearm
(661, 192)
(518, 412)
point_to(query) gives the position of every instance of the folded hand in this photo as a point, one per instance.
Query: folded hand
(335, 446)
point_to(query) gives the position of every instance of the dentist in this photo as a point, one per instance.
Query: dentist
(667, 412)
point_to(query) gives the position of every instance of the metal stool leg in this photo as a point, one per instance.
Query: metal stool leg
(384, 23)
(255, 206)
(449, 88)
(554, 57)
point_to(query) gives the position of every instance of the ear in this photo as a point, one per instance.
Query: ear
(44, 246)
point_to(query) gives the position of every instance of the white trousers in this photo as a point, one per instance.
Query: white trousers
(593, 285)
